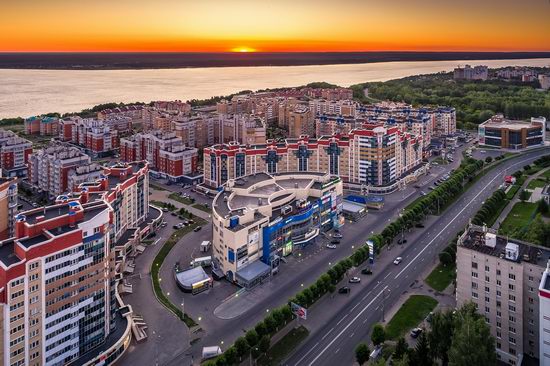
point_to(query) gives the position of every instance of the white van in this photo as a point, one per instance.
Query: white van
(205, 246)
(211, 352)
(202, 261)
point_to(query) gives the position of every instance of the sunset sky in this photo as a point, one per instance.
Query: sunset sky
(274, 25)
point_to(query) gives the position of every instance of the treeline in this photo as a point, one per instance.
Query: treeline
(475, 101)
(432, 203)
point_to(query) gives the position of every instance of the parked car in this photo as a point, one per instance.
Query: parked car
(354, 280)
(176, 227)
(366, 271)
(164, 209)
(402, 241)
(419, 226)
(331, 246)
(416, 332)
(422, 193)
(174, 214)
(164, 224)
(397, 260)
(344, 290)
(337, 236)
(198, 228)
(335, 241)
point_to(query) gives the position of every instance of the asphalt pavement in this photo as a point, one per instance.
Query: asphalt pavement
(333, 340)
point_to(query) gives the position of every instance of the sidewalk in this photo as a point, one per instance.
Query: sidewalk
(516, 199)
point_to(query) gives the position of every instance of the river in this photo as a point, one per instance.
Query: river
(30, 92)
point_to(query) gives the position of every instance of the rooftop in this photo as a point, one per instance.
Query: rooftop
(498, 121)
(476, 239)
(7, 253)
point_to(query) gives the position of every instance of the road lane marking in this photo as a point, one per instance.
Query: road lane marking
(454, 218)
(364, 297)
(386, 276)
(331, 329)
(320, 353)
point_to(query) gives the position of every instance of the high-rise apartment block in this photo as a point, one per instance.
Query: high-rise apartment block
(49, 168)
(471, 73)
(168, 157)
(8, 206)
(42, 125)
(61, 270)
(94, 135)
(375, 157)
(14, 154)
(505, 279)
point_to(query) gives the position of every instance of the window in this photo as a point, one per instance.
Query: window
(474, 285)
(34, 288)
(512, 276)
(511, 287)
(499, 335)
(499, 304)
(531, 278)
(499, 283)
(486, 268)
(33, 300)
(474, 295)
(499, 314)
(33, 277)
(531, 289)
(531, 322)
(474, 265)
(486, 309)
(511, 350)
(487, 279)
(487, 289)
(499, 293)
(531, 300)
(512, 318)
(33, 265)
(512, 340)
(474, 274)
(511, 308)
(499, 325)
(487, 299)
(498, 272)
(17, 282)
(512, 329)
(498, 345)
(511, 297)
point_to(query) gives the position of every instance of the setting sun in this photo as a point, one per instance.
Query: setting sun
(243, 49)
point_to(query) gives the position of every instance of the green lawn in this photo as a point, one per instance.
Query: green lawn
(441, 277)
(200, 206)
(411, 313)
(177, 197)
(161, 204)
(519, 217)
(546, 174)
(512, 191)
(281, 349)
(536, 183)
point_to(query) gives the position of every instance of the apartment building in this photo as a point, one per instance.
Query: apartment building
(300, 121)
(173, 106)
(14, 154)
(42, 125)
(166, 154)
(49, 168)
(330, 93)
(374, 156)
(133, 113)
(329, 124)
(510, 134)
(347, 108)
(544, 81)
(504, 277)
(8, 206)
(544, 318)
(81, 174)
(471, 73)
(58, 290)
(243, 128)
(260, 218)
(95, 136)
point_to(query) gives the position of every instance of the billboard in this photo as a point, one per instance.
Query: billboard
(298, 310)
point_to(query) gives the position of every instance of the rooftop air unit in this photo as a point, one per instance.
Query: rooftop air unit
(512, 251)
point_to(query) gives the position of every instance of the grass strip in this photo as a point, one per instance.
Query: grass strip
(411, 313)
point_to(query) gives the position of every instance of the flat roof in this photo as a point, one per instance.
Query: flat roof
(7, 253)
(253, 270)
(29, 242)
(192, 276)
(527, 252)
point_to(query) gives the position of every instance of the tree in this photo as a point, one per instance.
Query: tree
(264, 344)
(401, 349)
(439, 339)
(445, 258)
(488, 159)
(524, 195)
(252, 337)
(261, 329)
(221, 361)
(362, 353)
(231, 356)
(241, 346)
(421, 353)
(378, 334)
(472, 343)
(404, 361)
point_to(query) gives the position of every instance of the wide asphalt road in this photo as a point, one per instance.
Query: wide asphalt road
(335, 342)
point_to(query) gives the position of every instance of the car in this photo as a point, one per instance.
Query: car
(416, 186)
(397, 260)
(337, 236)
(174, 214)
(422, 193)
(436, 183)
(164, 224)
(344, 290)
(34, 204)
(164, 209)
(435, 163)
(366, 271)
(431, 188)
(335, 241)
(416, 332)
(198, 228)
(402, 241)
(175, 227)
(190, 221)
(354, 280)
(331, 246)
(420, 226)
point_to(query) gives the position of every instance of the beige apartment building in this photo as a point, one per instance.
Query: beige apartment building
(502, 276)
